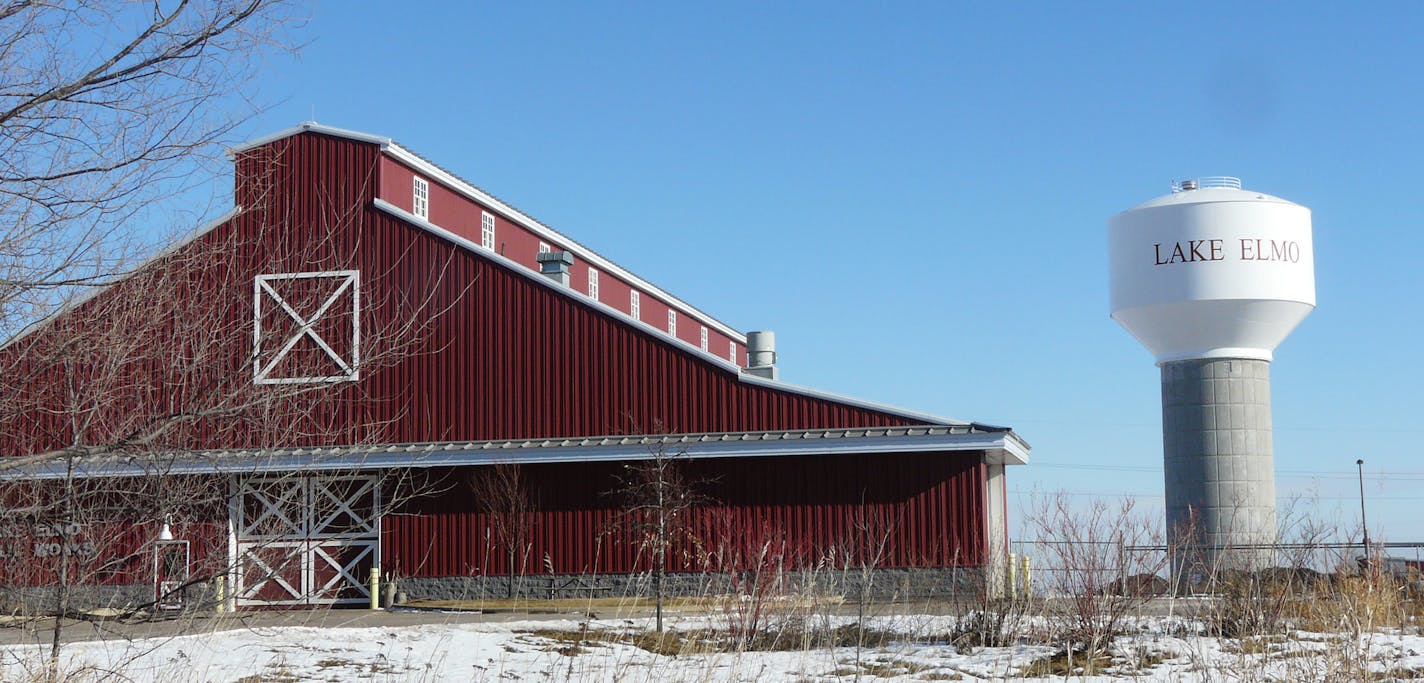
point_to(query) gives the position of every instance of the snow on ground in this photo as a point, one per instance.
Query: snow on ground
(513, 651)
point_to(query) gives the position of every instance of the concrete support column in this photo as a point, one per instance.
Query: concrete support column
(1220, 478)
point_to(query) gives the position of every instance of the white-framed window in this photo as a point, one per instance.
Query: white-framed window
(732, 352)
(487, 230)
(544, 248)
(420, 206)
(635, 304)
(672, 322)
(593, 284)
(704, 337)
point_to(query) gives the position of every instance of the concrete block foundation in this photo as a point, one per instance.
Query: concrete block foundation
(946, 583)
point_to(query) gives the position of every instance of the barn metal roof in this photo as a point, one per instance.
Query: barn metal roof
(1000, 445)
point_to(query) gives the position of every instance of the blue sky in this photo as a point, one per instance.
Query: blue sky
(914, 196)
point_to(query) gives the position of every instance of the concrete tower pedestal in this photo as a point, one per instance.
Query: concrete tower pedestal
(1218, 469)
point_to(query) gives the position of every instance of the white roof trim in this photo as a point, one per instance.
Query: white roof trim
(99, 289)
(545, 232)
(488, 453)
(303, 127)
(1014, 452)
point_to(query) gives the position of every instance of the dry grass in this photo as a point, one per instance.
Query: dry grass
(1355, 604)
(601, 605)
(1134, 662)
(1063, 663)
(1254, 645)
(882, 667)
(1401, 674)
(788, 636)
(625, 607)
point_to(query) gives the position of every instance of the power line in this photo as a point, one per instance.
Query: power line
(1134, 494)
(1157, 425)
(1379, 475)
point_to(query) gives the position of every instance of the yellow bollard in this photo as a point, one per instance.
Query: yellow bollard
(1010, 579)
(375, 587)
(1025, 576)
(220, 592)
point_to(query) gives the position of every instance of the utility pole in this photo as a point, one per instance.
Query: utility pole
(1360, 465)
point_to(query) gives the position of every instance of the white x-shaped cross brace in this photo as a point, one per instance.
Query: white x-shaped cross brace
(270, 575)
(345, 571)
(350, 279)
(344, 504)
(274, 508)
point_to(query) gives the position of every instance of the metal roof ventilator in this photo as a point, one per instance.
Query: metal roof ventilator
(761, 354)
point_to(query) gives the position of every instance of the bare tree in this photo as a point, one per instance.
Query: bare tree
(105, 108)
(1092, 560)
(504, 495)
(166, 363)
(658, 497)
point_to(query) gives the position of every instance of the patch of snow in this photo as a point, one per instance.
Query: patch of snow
(499, 651)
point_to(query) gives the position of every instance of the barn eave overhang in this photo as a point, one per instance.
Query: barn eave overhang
(994, 447)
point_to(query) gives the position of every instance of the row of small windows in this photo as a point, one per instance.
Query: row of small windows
(635, 310)
(420, 206)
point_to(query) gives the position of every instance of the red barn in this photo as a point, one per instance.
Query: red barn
(370, 362)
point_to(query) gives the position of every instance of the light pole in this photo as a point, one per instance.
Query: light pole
(1360, 465)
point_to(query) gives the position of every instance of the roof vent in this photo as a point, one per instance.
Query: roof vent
(555, 265)
(761, 354)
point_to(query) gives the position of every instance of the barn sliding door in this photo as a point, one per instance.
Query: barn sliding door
(305, 540)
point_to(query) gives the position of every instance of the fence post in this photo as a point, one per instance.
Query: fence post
(375, 587)
(1121, 566)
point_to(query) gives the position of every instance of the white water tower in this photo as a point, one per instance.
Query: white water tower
(1211, 278)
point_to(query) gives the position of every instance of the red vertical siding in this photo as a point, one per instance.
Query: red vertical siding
(514, 359)
(930, 508)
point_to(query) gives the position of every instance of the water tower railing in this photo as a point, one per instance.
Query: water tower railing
(1226, 181)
